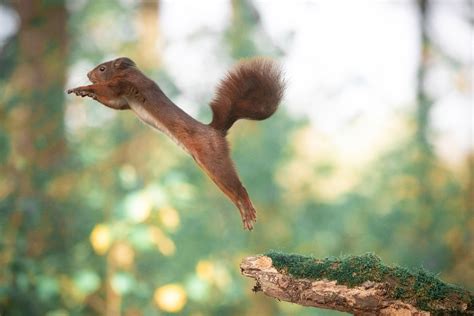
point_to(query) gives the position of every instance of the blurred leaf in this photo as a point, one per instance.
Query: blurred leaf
(122, 283)
(87, 281)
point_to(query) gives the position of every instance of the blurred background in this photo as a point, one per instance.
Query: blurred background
(371, 150)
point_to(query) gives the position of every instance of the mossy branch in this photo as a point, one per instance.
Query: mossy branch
(355, 284)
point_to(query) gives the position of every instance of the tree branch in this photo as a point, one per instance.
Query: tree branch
(367, 298)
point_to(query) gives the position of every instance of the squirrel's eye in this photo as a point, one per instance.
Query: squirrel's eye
(102, 68)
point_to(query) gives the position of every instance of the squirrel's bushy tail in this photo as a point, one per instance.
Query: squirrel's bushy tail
(252, 90)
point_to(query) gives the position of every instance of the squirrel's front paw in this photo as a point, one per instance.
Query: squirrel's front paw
(76, 91)
(82, 92)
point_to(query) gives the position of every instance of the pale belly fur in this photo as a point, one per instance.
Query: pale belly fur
(147, 118)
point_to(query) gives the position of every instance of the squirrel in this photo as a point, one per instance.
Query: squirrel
(252, 90)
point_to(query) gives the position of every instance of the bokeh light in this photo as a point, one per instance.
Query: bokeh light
(169, 217)
(123, 255)
(170, 298)
(164, 244)
(100, 238)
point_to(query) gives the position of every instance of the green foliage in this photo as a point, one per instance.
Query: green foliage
(241, 32)
(425, 290)
(4, 145)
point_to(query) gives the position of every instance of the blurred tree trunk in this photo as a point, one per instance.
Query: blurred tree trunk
(423, 100)
(245, 18)
(31, 107)
(148, 22)
(424, 159)
(36, 125)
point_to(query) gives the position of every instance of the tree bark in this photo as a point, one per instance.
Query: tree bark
(31, 117)
(370, 298)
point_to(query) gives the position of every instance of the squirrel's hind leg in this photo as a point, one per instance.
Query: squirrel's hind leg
(220, 169)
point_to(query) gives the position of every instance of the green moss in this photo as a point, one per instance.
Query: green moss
(419, 288)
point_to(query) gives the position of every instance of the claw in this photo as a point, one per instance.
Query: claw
(248, 223)
(248, 214)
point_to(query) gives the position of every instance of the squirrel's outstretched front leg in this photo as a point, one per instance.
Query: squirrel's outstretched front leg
(106, 93)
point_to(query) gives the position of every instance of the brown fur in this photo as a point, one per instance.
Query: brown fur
(251, 90)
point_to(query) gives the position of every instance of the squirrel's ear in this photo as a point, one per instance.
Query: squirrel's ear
(123, 62)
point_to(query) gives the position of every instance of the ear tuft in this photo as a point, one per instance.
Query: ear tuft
(123, 62)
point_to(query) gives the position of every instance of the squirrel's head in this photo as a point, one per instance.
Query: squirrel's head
(110, 69)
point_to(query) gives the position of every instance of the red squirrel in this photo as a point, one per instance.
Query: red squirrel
(252, 90)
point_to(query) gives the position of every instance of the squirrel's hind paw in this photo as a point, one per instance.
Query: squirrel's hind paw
(248, 224)
(249, 216)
